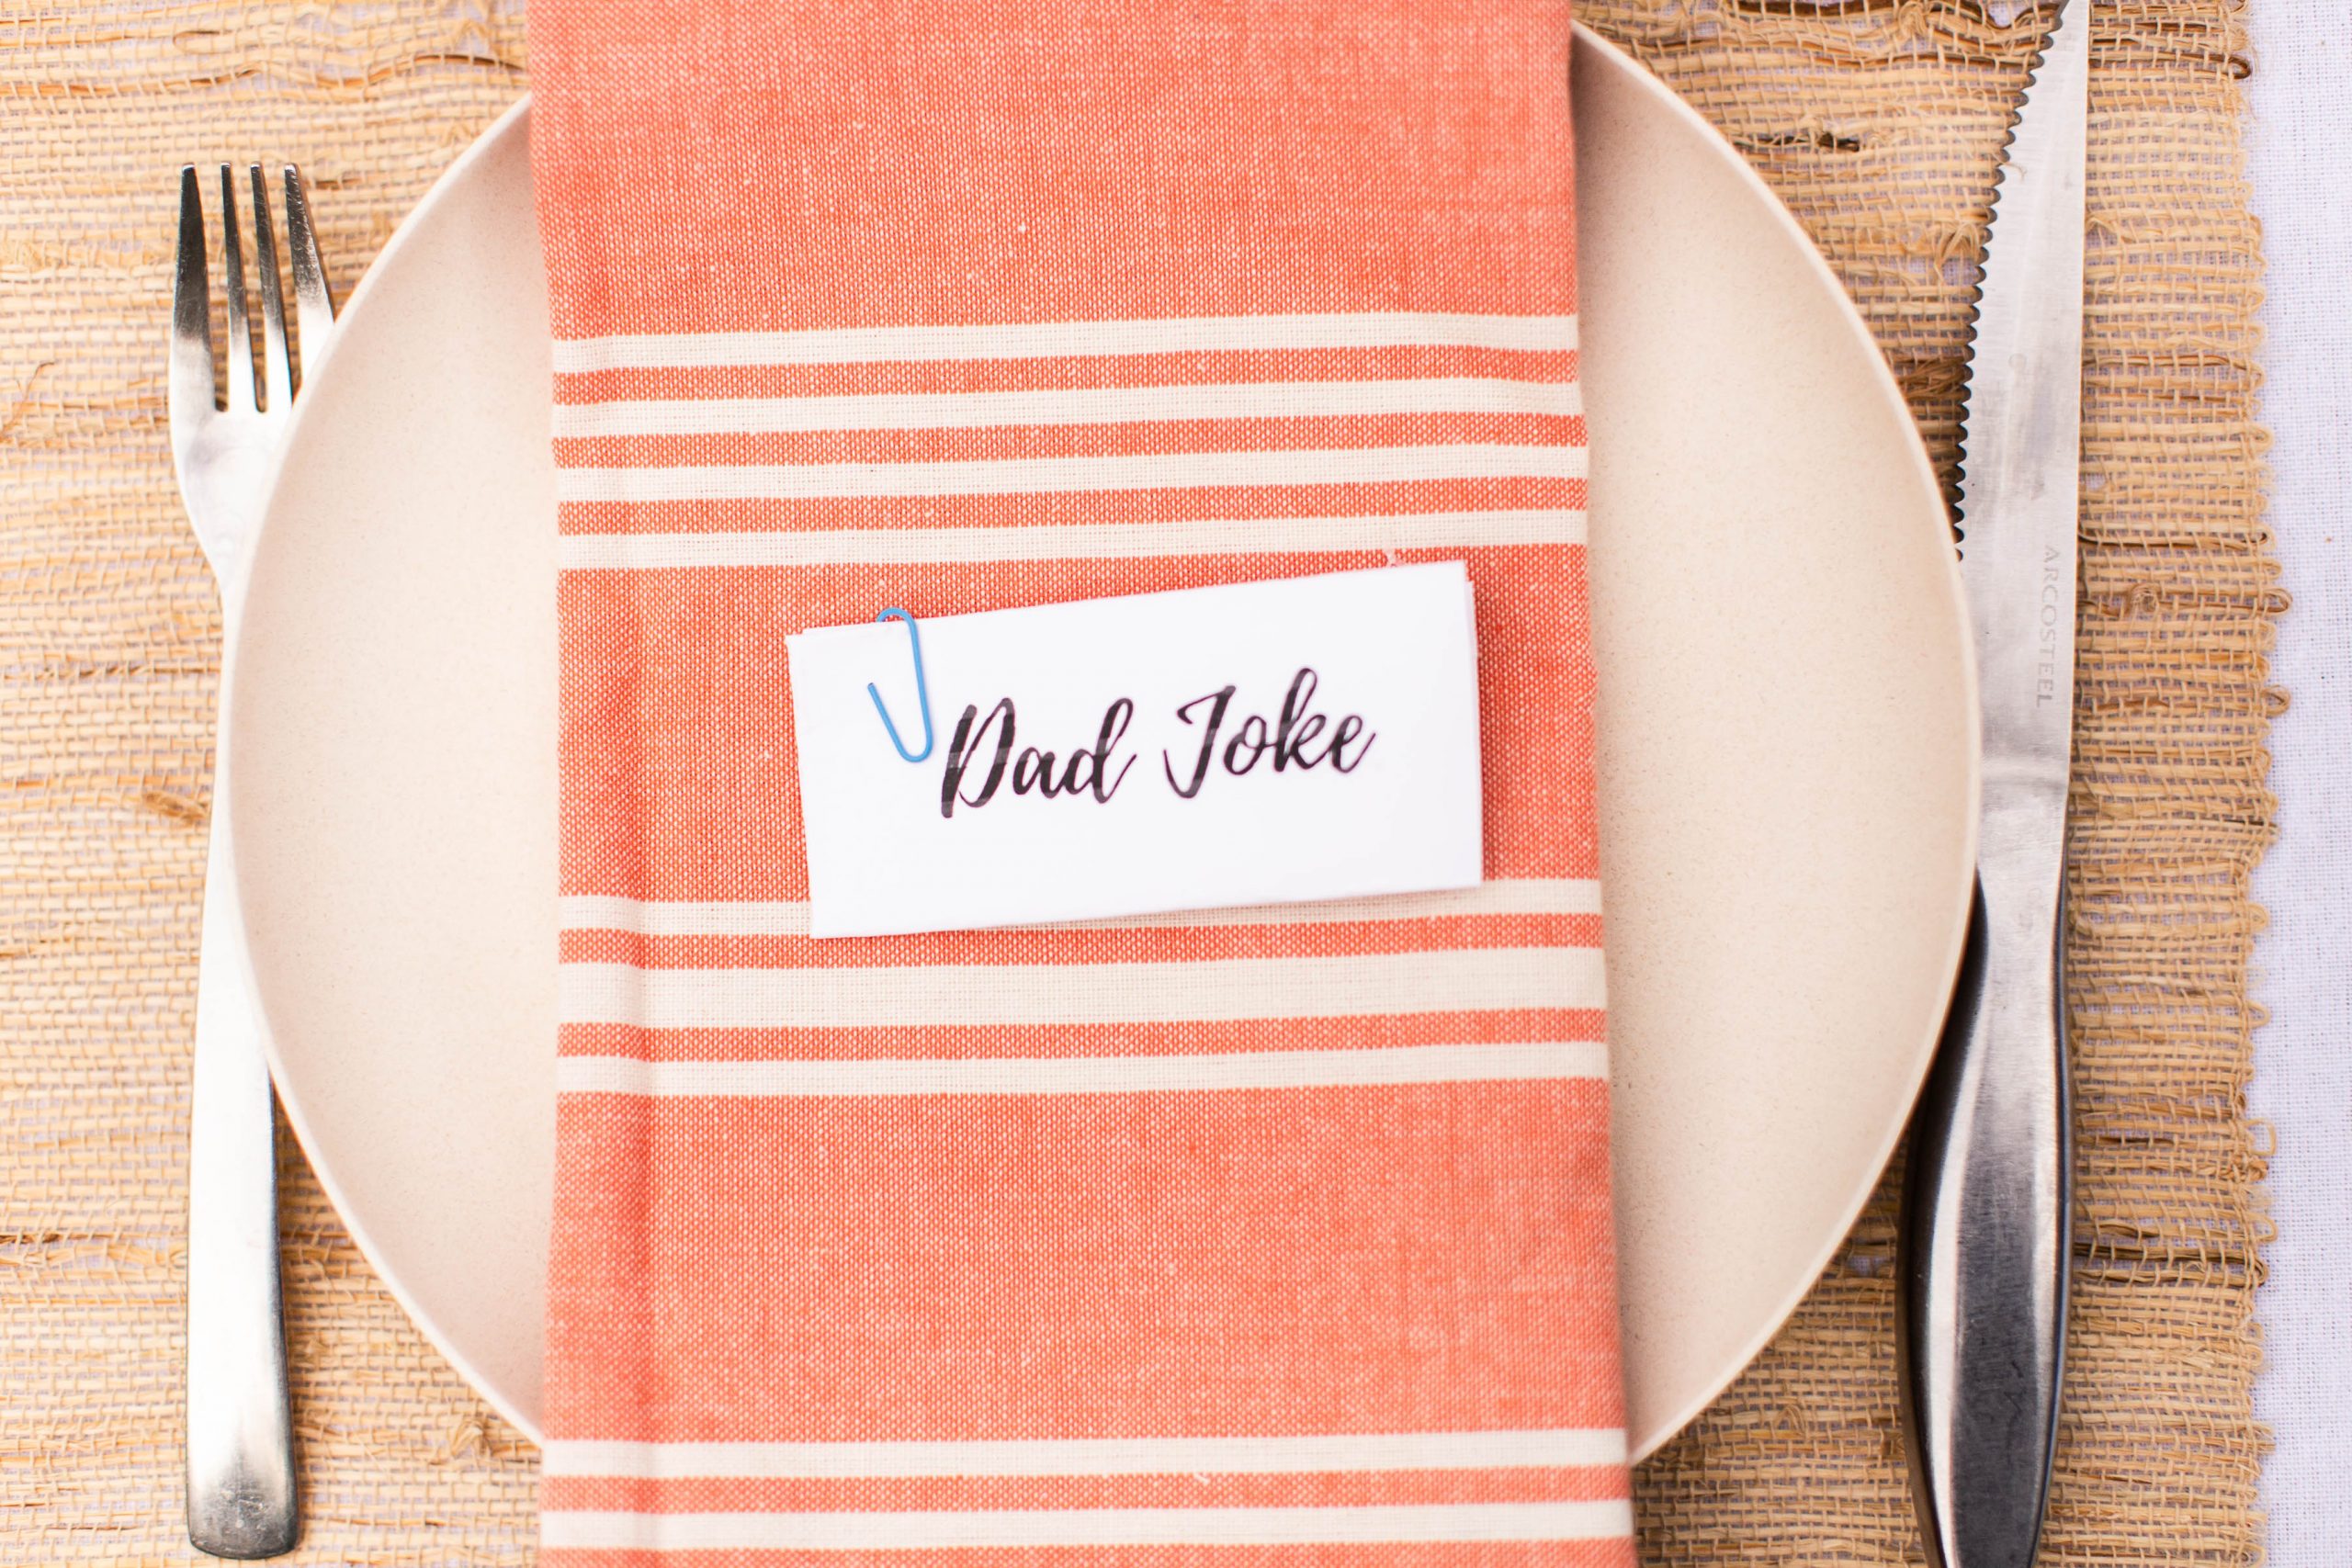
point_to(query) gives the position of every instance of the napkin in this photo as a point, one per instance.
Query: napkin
(863, 305)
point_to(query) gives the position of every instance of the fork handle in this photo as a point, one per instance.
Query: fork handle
(1985, 1237)
(240, 1433)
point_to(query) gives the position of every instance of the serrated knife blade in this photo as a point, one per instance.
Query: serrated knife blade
(1984, 1232)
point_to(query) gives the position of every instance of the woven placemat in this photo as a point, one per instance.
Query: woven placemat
(1878, 121)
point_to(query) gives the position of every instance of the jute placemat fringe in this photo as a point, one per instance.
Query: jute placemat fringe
(1878, 121)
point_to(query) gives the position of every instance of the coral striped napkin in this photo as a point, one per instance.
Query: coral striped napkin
(862, 305)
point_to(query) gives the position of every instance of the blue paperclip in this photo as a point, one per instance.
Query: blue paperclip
(922, 693)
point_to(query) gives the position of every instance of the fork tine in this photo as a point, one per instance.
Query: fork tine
(314, 306)
(278, 378)
(241, 336)
(191, 360)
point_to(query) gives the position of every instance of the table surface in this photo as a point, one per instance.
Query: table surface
(2298, 147)
(1879, 126)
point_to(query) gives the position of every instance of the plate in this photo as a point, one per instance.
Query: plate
(1787, 766)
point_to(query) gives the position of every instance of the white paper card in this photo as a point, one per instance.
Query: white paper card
(1266, 742)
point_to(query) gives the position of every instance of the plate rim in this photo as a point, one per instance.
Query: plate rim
(514, 119)
(1891, 393)
(484, 144)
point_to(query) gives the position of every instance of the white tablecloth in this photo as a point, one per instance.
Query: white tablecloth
(2300, 147)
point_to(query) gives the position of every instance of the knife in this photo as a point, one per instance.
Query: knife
(1985, 1227)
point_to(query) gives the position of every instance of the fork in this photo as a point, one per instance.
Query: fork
(240, 1500)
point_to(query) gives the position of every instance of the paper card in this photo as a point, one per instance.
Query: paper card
(1266, 742)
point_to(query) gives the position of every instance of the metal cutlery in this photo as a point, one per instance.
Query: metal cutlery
(241, 1496)
(1986, 1230)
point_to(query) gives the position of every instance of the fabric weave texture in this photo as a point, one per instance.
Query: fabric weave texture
(853, 311)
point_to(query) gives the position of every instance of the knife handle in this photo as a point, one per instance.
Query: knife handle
(240, 1489)
(1985, 1237)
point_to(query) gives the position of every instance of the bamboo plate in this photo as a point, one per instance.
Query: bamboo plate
(1787, 764)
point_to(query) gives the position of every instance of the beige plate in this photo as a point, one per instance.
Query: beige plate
(1787, 767)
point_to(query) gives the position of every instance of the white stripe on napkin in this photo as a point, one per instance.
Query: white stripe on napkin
(1374, 1068)
(1067, 405)
(1567, 1449)
(1074, 541)
(1050, 475)
(1088, 405)
(1065, 340)
(1488, 979)
(1524, 896)
(1381, 1524)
